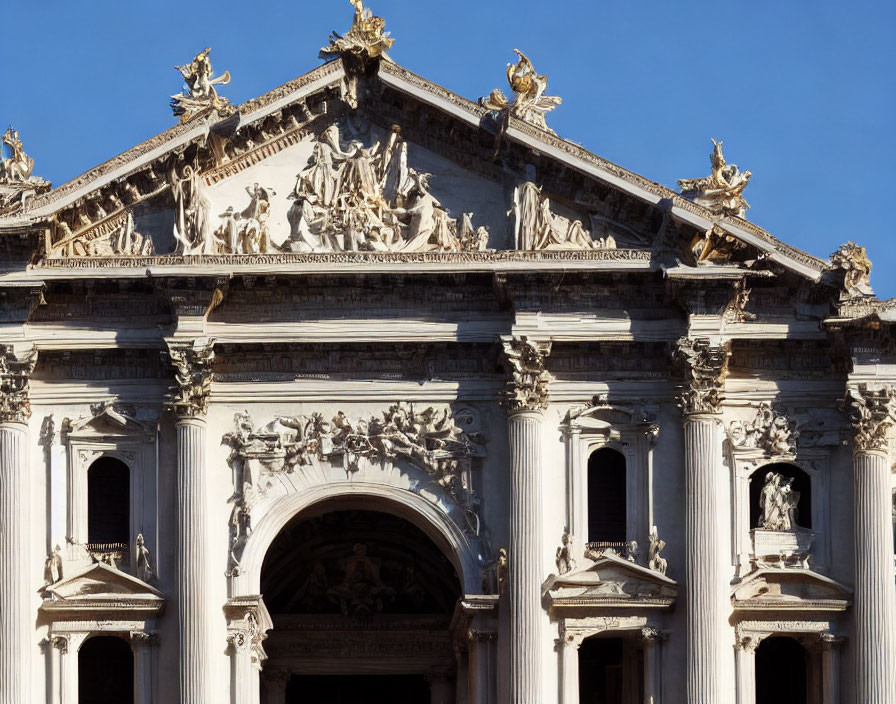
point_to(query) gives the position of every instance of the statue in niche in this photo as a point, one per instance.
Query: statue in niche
(199, 95)
(565, 562)
(362, 593)
(655, 561)
(53, 567)
(144, 565)
(778, 503)
(357, 198)
(721, 191)
(538, 228)
(530, 104)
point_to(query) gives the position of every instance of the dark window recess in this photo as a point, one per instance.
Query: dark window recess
(781, 672)
(105, 671)
(801, 484)
(108, 502)
(606, 497)
(600, 671)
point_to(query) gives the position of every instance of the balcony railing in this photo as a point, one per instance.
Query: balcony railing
(114, 554)
(627, 550)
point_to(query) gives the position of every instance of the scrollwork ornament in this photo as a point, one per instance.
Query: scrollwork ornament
(192, 363)
(705, 366)
(16, 367)
(872, 411)
(525, 361)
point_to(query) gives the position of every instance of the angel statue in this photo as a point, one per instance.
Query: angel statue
(530, 103)
(723, 189)
(200, 94)
(367, 35)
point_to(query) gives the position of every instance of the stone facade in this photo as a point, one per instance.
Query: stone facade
(362, 292)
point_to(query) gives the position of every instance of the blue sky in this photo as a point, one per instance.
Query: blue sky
(801, 92)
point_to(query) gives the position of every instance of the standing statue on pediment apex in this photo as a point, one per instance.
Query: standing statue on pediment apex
(530, 104)
(721, 191)
(854, 262)
(367, 37)
(19, 167)
(199, 95)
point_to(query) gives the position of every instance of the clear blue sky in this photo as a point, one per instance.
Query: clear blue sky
(801, 91)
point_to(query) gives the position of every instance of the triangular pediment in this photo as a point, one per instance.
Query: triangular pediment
(206, 187)
(610, 582)
(109, 419)
(789, 589)
(100, 586)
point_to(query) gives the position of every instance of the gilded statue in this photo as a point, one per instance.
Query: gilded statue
(721, 191)
(530, 104)
(367, 37)
(200, 95)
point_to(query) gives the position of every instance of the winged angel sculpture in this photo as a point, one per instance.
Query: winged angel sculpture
(367, 36)
(530, 103)
(723, 189)
(200, 95)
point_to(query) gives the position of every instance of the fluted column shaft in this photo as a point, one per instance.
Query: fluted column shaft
(524, 566)
(705, 583)
(194, 616)
(16, 616)
(875, 595)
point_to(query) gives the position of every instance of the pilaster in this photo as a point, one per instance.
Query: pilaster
(652, 639)
(873, 411)
(16, 613)
(707, 603)
(143, 646)
(830, 664)
(569, 645)
(745, 670)
(192, 363)
(526, 399)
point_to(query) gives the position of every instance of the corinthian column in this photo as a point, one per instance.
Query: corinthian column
(706, 602)
(527, 393)
(872, 412)
(192, 363)
(16, 614)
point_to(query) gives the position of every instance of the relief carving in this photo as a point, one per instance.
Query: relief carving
(538, 228)
(706, 366)
(529, 103)
(16, 367)
(526, 364)
(192, 362)
(771, 432)
(721, 191)
(872, 411)
(199, 96)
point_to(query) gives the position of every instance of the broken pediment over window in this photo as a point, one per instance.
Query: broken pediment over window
(782, 589)
(610, 581)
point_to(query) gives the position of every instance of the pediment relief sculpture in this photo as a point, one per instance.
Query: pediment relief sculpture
(367, 38)
(776, 589)
(537, 227)
(721, 191)
(529, 103)
(770, 432)
(200, 96)
(610, 580)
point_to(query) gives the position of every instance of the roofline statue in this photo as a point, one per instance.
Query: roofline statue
(199, 95)
(367, 38)
(529, 104)
(721, 191)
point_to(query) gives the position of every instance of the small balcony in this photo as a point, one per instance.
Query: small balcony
(113, 554)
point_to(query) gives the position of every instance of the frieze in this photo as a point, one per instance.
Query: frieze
(80, 365)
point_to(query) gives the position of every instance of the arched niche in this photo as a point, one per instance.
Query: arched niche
(800, 482)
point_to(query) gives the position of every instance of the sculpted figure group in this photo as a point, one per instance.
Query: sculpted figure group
(723, 189)
(778, 503)
(529, 103)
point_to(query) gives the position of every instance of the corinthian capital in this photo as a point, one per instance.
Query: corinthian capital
(192, 361)
(705, 367)
(525, 360)
(872, 412)
(16, 366)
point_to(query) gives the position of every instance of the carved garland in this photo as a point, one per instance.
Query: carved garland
(706, 366)
(15, 372)
(872, 412)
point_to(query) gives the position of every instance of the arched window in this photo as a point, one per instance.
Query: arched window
(796, 481)
(109, 506)
(105, 671)
(606, 497)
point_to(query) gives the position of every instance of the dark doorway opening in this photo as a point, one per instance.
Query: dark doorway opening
(108, 502)
(105, 671)
(606, 497)
(370, 689)
(601, 678)
(781, 672)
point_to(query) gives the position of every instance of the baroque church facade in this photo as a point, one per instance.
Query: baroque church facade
(363, 391)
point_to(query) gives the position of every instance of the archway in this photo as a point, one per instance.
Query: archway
(782, 672)
(105, 671)
(362, 604)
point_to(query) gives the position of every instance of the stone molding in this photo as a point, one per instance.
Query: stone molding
(705, 366)
(872, 411)
(16, 367)
(192, 362)
(526, 363)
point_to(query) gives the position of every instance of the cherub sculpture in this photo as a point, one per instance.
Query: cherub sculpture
(530, 103)
(200, 95)
(721, 191)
